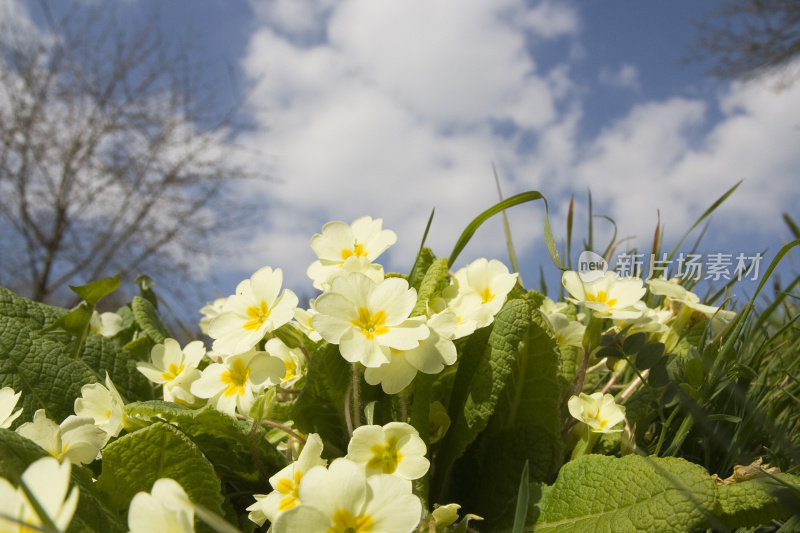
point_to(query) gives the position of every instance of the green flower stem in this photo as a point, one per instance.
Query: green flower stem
(586, 443)
(356, 398)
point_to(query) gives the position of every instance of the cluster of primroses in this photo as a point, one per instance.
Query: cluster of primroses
(44, 499)
(369, 317)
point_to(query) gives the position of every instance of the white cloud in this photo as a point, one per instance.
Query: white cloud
(394, 115)
(626, 77)
(658, 156)
(392, 108)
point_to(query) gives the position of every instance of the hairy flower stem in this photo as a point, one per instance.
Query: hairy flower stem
(286, 429)
(356, 398)
(404, 407)
(632, 387)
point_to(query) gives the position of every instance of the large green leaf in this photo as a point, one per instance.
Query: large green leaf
(432, 284)
(483, 372)
(632, 494)
(758, 501)
(526, 425)
(319, 407)
(38, 361)
(135, 461)
(92, 514)
(238, 451)
(147, 318)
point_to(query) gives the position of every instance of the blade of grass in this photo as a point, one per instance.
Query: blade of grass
(512, 255)
(523, 497)
(413, 273)
(517, 199)
(570, 214)
(705, 215)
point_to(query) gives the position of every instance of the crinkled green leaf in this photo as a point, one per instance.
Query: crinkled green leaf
(632, 494)
(237, 451)
(758, 501)
(135, 461)
(92, 514)
(482, 375)
(39, 362)
(424, 259)
(319, 407)
(434, 281)
(526, 426)
(38, 366)
(147, 318)
(104, 355)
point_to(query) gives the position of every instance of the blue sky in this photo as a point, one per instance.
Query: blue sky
(391, 108)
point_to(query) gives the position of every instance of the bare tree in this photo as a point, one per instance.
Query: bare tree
(746, 38)
(113, 154)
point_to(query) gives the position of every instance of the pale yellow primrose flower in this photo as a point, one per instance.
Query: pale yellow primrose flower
(350, 247)
(597, 410)
(445, 515)
(210, 311)
(76, 438)
(232, 385)
(286, 483)
(165, 509)
(48, 483)
(394, 449)
(105, 324)
(651, 320)
(490, 280)
(104, 405)
(609, 296)
(567, 332)
(293, 359)
(174, 368)
(8, 400)
(429, 356)
(302, 319)
(675, 292)
(256, 309)
(368, 319)
(341, 498)
(477, 293)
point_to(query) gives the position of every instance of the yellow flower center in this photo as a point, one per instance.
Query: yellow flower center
(258, 315)
(596, 417)
(290, 488)
(601, 297)
(385, 457)
(291, 369)
(486, 295)
(172, 372)
(358, 251)
(236, 378)
(370, 325)
(344, 522)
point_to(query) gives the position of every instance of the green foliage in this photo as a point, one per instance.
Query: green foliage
(320, 405)
(757, 501)
(526, 425)
(39, 362)
(433, 282)
(92, 292)
(93, 514)
(148, 320)
(633, 494)
(135, 461)
(35, 363)
(239, 451)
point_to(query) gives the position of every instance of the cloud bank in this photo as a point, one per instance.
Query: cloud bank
(392, 108)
